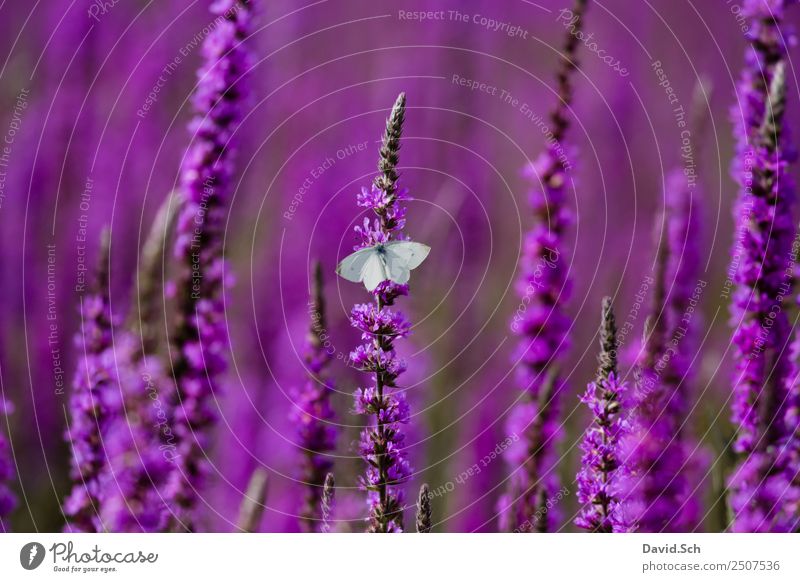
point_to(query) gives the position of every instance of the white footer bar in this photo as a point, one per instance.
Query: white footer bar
(348, 557)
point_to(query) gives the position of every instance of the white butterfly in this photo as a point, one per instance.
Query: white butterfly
(391, 261)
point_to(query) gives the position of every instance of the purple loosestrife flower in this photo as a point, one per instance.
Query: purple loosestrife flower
(136, 484)
(603, 471)
(765, 488)
(93, 399)
(769, 39)
(683, 319)
(763, 213)
(655, 458)
(665, 472)
(138, 481)
(763, 492)
(8, 501)
(120, 469)
(542, 327)
(312, 413)
(381, 443)
(200, 340)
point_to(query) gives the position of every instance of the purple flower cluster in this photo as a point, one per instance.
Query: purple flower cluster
(763, 274)
(200, 338)
(93, 400)
(764, 490)
(783, 477)
(313, 414)
(8, 500)
(542, 328)
(602, 478)
(684, 321)
(683, 271)
(381, 444)
(658, 461)
(664, 494)
(122, 474)
(542, 325)
(138, 482)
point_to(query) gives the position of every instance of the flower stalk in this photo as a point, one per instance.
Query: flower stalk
(545, 288)
(764, 490)
(91, 401)
(312, 413)
(603, 469)
(382, 441)
(200, 341)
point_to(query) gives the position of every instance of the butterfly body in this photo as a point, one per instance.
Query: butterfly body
(391, 261)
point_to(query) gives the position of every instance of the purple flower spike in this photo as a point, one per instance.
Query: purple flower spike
(120, 426)
(682, 345)
(765, 487)
(665, 490)
(313, 414)
(381, 444)
(200, 339)
(8, 501)
(602, 478)
(136, 484)
(94, 397)
(653, 446)
(542, 327)
(765, 228)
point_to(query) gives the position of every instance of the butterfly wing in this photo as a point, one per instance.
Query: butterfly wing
(410, 253)
(352, 267)
(374, 272)
(397, 269)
